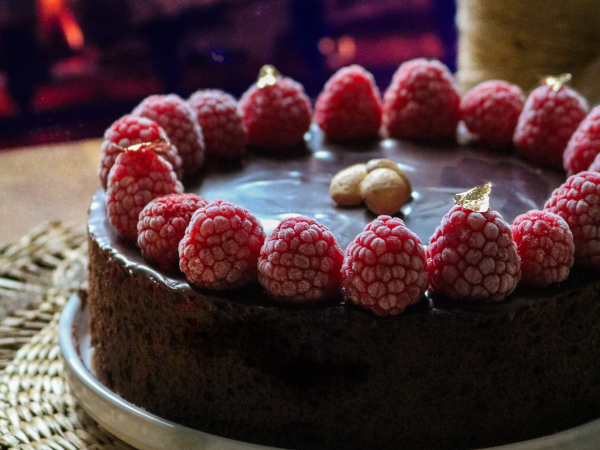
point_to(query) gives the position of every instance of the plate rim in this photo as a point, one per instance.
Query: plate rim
(87, 389)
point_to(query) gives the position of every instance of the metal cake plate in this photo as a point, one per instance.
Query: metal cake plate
(146, 431)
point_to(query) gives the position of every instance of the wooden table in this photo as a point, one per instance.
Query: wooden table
(46, 183)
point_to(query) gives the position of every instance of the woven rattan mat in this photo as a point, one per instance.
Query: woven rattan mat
(38, 274)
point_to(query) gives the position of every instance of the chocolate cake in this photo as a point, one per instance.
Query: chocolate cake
(331, 375)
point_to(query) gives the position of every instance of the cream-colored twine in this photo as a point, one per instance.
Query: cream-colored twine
(37, 276)
(523, 40)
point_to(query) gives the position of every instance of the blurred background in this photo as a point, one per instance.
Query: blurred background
(69, 68)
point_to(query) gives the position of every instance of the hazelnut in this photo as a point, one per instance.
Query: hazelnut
(382, 163)
(384, 191)
(345, 185)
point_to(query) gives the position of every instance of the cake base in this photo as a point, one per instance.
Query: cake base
(146, 431)
(336, 377)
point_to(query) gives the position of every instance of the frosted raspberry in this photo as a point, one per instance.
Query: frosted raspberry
(221, 245)
(162, 224)
(577, 201)
(473, 257)
(584, 144)
(300, 261)
(491, 111)
(179, 122)
(421, 101)
(546, 124)
(349, 106)
(217, 114)
(545, 246)
(276, 115)
(385, 268)
(137, 177)
(130, 130)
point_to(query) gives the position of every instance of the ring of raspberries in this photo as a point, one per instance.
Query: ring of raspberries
(472, 256)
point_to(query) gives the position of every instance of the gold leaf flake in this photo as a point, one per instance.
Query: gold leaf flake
(158, 144)
(557, 82)
(267, 76)
(476, 199)
(136, 147)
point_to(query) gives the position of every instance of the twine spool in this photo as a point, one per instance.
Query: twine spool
(521, 41)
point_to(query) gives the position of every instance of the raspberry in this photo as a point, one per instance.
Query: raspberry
(179, 122)
(491, 111)
(422, 102)
(217, 114)
(221, 246)
(162, 224)
(472, 256)
(547, 122)
(584, 144)
(130, 130)
(300, 261)
(385, 268)
(545, 246)
(577, 201)
(349, 106)
(276, 113)
(137, 177)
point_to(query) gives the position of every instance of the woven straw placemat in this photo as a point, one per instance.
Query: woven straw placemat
(38, 274)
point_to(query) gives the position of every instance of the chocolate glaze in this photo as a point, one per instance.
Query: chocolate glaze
(274, 188)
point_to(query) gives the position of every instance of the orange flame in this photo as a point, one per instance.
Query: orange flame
(52, 12)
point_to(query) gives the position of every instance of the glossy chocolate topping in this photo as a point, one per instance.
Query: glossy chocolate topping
(297, 183)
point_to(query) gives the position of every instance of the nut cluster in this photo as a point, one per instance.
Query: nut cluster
(380, 183)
